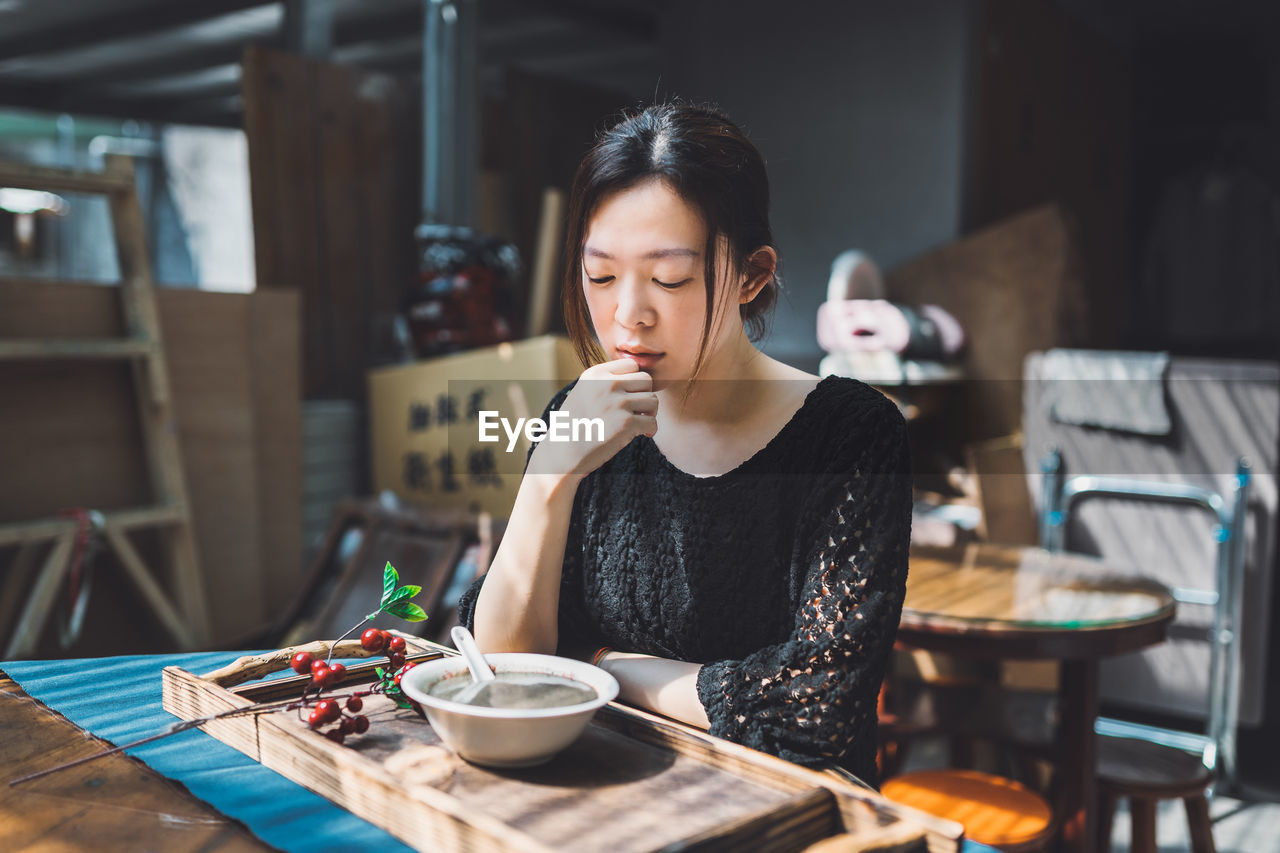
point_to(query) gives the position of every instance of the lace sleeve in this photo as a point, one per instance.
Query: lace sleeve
(812, 698)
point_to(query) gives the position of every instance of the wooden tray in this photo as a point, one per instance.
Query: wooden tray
(633, 783)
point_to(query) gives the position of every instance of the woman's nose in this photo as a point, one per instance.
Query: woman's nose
(633, 308)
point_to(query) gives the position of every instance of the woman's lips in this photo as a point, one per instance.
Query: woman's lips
(643, 360)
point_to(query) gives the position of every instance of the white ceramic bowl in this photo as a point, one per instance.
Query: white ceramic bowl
(508, 737)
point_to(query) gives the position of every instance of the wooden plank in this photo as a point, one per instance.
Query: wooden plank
(73, 439)
(862, 810)
(136, 570)
(36, 531)
(75, 349)
(1002, 491)
(1015, 289)
(155, 402)
(117, 802)
(343, 224)
(219, 451)
(16, 582)
(331, 163)
(137, 293)
(1053, 123)
(28, 176)
(26, 633)
(694, 793)
(275, 402)
(544, 286)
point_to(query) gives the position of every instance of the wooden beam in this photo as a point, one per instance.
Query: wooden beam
(82, 101)
(125, 519)
(26, 634)
(11, 350)
(31, 177)
(146, 585)
(109, 23)
(16, 581)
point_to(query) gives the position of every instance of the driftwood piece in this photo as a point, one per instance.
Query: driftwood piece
(253, 667)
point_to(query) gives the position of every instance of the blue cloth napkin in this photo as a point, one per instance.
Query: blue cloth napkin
(278, 811)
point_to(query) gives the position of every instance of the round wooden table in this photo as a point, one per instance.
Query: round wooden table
(1008, 602)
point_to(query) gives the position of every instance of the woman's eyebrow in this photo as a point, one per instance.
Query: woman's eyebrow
(656, 254)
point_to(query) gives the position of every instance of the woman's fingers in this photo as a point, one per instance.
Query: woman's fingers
(621, 396)
(642, 404)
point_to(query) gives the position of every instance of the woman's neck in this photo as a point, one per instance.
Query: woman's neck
(728, 385)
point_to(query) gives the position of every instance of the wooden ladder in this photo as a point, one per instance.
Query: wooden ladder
(187, 619)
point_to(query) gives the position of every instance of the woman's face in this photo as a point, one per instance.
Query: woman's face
(643, 276)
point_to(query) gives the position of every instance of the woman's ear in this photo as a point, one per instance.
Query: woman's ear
(760, 267)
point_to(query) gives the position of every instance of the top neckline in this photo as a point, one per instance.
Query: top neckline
(751, 461)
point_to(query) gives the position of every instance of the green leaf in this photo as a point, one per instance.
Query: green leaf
(389, 580)
(406, 591)
(402, 703)
(380, 672)
(407, 611)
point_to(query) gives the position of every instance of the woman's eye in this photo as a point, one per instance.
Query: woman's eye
(671, 285)
(604, 279)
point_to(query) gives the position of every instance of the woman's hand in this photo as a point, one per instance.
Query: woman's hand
(621, 396)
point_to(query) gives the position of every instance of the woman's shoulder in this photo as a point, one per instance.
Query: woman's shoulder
(850, 404)
(844, 421)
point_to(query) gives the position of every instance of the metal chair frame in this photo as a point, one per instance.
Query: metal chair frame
(1060, 495)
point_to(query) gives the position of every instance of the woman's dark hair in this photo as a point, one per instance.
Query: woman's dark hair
(706, 159)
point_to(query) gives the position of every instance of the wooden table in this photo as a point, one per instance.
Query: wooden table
(117, 803)
(1005, 602)
(114, 803)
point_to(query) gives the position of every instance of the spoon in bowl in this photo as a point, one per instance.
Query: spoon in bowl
(481, 673)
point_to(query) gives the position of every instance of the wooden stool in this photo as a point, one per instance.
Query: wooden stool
(1146, 773)
(993, 810)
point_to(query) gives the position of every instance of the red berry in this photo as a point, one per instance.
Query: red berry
(373, 640)
(396, 644)
(355, 703)
(361, 723)
(397, 659)
(403, 670)
(386, 638)
(301, 663)
(322, 676)
(347, 726)
(337, 672)
(315, 719)
(328, 709)
(318, 664)
(335, 735)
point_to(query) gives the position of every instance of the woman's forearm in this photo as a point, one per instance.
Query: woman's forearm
(669, 687)
(517, 608)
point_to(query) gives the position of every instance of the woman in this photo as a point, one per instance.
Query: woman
(734, 550)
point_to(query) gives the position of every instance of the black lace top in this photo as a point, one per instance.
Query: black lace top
(784, 577)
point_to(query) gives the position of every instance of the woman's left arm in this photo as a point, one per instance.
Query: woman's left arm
(669, 687)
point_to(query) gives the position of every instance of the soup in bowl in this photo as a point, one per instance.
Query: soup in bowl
(537, 705)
